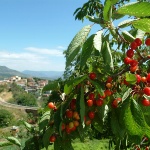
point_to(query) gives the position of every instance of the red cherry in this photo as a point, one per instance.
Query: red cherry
(90, 102)
(91, 96)
(92, 75)
(138, 41)
(109, 80)
(133, 69)
(130, 53)
(91, 115)
(133, 45)
(143, 79)
(115, 102)
(147, 42)
(73, 104)
(51, 105)
(146, 91)
(108, 92)
(69, 113)
(127, 60)
(147, 148)
(145, 102)
(138, 78)
(52, 138)
(125, 82)
(148, 77)
(102, 96)
(99, 102)
(133, 63)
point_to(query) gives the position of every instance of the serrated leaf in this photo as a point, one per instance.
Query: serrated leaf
(107, 56)
(107, 9)
(125, 23)
(76, 44)
(14, 141)
(137, 113)
(117, 129)
(46, 136)
(98, 40)
(126, 94)
(46, 117)
(82, 105)
(140, 34)
(134, 120)
(131, 78)
(127, 36)
(138, 9)
(27, 125)
(142, 24)
(86, 50)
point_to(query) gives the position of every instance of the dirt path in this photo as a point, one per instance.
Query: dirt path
(6, 104)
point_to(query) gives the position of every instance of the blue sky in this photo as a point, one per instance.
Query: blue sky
(34, 33)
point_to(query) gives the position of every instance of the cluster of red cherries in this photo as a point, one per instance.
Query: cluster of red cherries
(133, 63)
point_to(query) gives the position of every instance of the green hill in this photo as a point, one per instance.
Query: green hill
(6, 73)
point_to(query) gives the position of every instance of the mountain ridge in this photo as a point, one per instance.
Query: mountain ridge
(6, 72)
(46, 74)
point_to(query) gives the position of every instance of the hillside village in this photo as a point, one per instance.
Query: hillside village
(30, 85)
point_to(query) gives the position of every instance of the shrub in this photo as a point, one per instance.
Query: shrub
(5, 118)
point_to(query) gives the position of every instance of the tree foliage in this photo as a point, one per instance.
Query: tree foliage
(107, 89)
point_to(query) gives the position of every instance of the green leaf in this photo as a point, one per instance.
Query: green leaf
(51, 86)
(125, 23)
(72, 83)
(93, 19)
(82, 105)
(28, 126)
(107, 9)
(107, 56)
(6, 143)
(57, 119)
(131, 78)
(140, 34)
(98, 122)
(127, 36)
(134, 120)
(68, 88)
(87, 50)
(98, 40)
(14, 141)
(138, 9)
(117, 128)
(47, 135)
(97, 86)
(142, 24)
(126, 94)
(137, 113)
(76, 44)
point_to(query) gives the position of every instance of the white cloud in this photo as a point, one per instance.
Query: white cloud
(33, 59)
(61, 47)
(45, 51)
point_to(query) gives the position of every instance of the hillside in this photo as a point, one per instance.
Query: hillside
(44, 74)
(7, 72)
